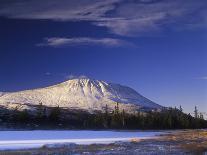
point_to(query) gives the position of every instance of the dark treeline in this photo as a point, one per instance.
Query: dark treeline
(171, 118)
(53, 118)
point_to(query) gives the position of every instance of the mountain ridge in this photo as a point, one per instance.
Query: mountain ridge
(80, 93)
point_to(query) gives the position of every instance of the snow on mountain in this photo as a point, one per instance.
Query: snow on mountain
(83, 94)
(1, 94)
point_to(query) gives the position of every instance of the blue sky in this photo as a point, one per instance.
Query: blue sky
(157, 47)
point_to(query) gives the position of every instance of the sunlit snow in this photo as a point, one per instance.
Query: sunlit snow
(84, 94)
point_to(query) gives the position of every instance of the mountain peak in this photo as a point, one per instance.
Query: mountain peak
(82, 93)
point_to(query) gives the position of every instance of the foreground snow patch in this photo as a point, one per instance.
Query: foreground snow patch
(36, 139)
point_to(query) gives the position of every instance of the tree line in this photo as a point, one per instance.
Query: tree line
(56, 117)
(170, 118)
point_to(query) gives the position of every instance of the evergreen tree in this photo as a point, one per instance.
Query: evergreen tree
(196, 112)
(40, 111)
(181, 109)
(116, 119)
(123, 118)
(201, 116)
(106, 122)
(54, 115)
(23, 116)
(117, 108)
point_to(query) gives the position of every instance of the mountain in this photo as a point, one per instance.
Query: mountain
(83, 94)
(1, 94)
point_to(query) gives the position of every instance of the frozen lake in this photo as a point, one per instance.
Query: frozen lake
(38, 138)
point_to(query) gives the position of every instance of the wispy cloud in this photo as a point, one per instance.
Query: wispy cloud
(71, 76)
(48, 74)
(121, 17)
(201, 78)
(62, 42)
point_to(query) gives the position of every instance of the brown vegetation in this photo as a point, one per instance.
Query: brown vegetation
(194, 141)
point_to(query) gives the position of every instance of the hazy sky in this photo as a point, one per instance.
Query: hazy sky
(157, 47)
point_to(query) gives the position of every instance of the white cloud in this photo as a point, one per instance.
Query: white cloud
(132, 27)
(144, 18)
(61, 42)
(122, 17)
(203, 78)
(70, 77)
(57, 9)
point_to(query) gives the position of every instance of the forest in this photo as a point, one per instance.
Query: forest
(58, 118)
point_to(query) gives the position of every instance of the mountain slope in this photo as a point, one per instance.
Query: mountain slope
(84, 94)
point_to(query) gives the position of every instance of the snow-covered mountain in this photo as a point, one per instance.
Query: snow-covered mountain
(1, 94)
(83, 94)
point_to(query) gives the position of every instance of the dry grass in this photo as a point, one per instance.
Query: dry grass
(189, 140)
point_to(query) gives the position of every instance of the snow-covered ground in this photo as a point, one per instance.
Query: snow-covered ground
(38, 138)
